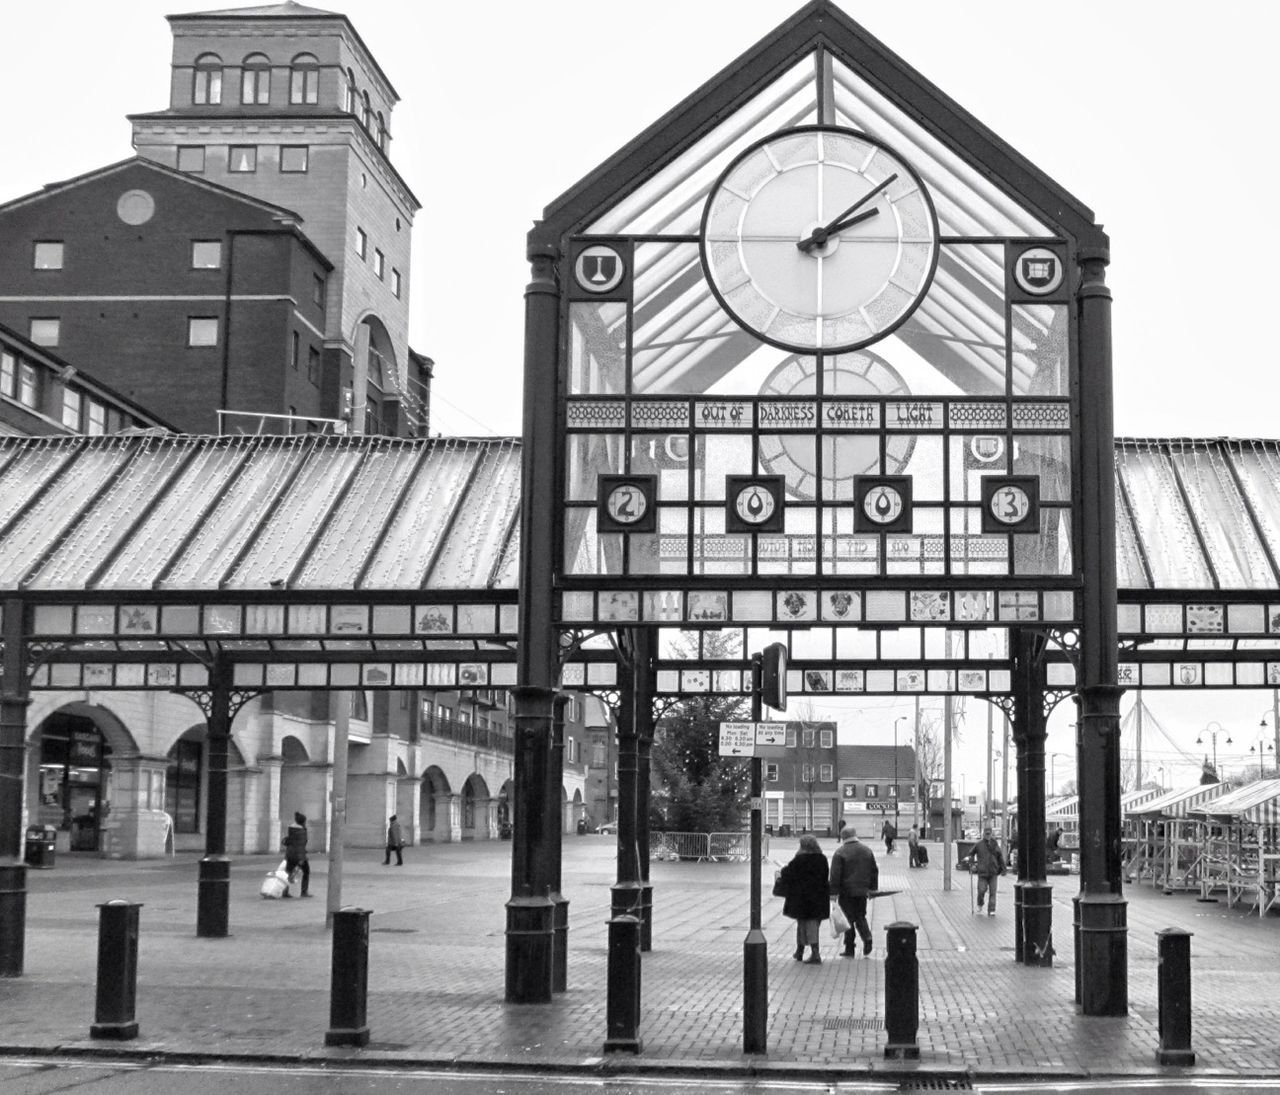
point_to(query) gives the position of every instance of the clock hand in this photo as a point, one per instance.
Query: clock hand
(819, 235)
(849, 222)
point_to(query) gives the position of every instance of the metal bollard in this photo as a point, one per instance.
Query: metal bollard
(13, 918)
(349, 979)
(1075, 939)
(117, 998)
(1174, 991)
(901, 992)
(622, 1009)
(213, 897)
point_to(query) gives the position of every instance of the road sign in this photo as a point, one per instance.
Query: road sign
(737, 739)
(771, 733)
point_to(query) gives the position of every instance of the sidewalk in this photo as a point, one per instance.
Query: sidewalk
(436, 972)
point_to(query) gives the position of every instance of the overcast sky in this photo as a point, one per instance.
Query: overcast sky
(1161, 123)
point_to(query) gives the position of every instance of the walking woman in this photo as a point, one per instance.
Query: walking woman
(804, 882)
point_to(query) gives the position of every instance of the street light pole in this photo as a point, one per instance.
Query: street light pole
(1213, 734)
(896, 789)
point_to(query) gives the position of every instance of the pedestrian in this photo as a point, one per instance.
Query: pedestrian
(890, 834)
(295, 853)
(394, 843)
(840, 828)
(1051, 845)
(804, 882)
(913, 847)
(854, 874)
(987, 862)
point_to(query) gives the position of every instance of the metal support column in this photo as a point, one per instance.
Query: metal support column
(755, 948)
(1034, 905)
(555, 847)
(642, 656)
(14, 699)
(213, 899)
(1103, 948)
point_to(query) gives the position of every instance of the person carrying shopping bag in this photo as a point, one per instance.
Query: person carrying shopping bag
(803, 882)
(854, 874)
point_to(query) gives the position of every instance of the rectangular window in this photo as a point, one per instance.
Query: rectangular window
(207, 87)
(182, 786)
(242, 158)
(304, 86)
(444, 713)
(317, 291)
(826, 773)
(191, 158)
(293, 158)
(873, 791)
(71, 406)
(826, 738)
(28, 385)
(791, 738)
(202, 331)
(379, 263)
(96, 416)
(295, 344)
(48, 255)
(806, 773)
(770, 773)
(46, 332)
(8, 373)
(395, 282)
(808, 739)
(313, 365)
(362, 243)
(206, 254)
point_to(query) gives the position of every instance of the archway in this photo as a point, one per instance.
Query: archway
(479, 811)
(435, 807)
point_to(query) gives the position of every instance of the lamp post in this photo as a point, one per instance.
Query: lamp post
(1261, 749)
(896, 795)
(1213, 734)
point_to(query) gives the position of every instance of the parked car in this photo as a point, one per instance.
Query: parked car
(608, 828)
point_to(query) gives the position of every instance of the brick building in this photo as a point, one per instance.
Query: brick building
(877, 782)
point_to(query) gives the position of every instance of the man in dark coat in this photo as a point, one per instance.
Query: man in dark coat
(804, 883)
(295, 852)
(394, 842)
(987, 863)
(854, 874)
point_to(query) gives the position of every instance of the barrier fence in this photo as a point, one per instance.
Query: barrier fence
(705, 847)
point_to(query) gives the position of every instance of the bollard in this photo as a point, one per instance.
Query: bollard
(901, 992)
(1174, 990)
(13, 918)
(349, 979)
(213, 897)
(117, 971)
(622, 1010)
(1075, 939)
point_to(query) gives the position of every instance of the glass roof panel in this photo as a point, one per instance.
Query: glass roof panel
(472, 553)
(968, 203)
(29, 471)
(1258, 465)
(670, 203)
(1164, 526)
(1131, 573)
(111, 517)
(1238, 558)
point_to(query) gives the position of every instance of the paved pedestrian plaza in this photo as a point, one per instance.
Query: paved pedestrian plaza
(436, 972)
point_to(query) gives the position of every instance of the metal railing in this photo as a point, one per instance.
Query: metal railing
(704, 847)
(482, 737)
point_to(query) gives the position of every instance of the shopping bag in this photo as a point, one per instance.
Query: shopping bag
(779, 887)
(839, 922)
(274, 885)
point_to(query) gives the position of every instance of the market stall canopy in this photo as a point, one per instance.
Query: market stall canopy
(1132, 799)
(1177, 803)
(1257, 803)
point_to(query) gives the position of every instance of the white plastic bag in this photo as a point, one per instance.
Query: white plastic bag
(839, 922)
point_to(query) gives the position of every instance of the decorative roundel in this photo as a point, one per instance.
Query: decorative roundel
(1010, 504)
(851, 376)
(599, 268)
(626, 504)
(754, 505)
(135, 207)
(819, 238)
(883, 504)
(1038, 271)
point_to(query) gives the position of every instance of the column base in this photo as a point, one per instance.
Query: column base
(622, 1006)
(13, 918)
(902, 1053)
(755, 992)
(559, 943)
(357, 1036)
(1037, 924)
(1102, 957)
(530, 946)
(120, 1032)
(1176, 1056)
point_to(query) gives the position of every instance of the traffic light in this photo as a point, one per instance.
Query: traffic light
(773, 676)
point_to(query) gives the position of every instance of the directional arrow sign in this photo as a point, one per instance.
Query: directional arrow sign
(737, 739)
(771, 733)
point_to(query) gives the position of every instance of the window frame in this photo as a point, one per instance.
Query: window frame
(771, 772)
(295, 349)
(396, 286)
(95, 418)
(206, 266)
(379, 264)
(304, 80)
(8, 372)
(306, 159)
(362, 243)
(212, 74)
(313, 365)
(826, 739)
(73, 402)
(191, 331)
(35, 254)
(255, 80)
(191, 150)
(826, 773)
(44, 340)
(30, 380)
(233, 149)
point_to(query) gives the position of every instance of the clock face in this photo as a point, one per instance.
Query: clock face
(819, 238)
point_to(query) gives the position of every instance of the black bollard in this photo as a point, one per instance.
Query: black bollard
(1174, 990)
(901, 992)
(349, 979)
(13, 918)
(117, 998)
(213, 897)
(1075, 938)
(1037, 924)
(622, 1009)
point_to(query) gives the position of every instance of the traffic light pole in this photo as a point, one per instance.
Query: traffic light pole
(755, 949)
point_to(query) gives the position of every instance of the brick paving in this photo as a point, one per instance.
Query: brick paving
(436, 973)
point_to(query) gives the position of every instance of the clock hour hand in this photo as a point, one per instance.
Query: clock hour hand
(819, 236)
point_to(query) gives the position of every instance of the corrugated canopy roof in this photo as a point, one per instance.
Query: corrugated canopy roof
(1258, 803)
(164, 512)
(1177, 803)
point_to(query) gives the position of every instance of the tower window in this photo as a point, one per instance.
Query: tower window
(304, 80)
(293, 158)
(71, 406)
(366, 114)
(242, 158)
(206, 88)
(379, 263)
(191, 158)
(28, 385)
(362, 243)
(206, 254)
(395, 282)
(202, 331)
(313, 365)
(255, 80)
(382, 132)
(48, 255)
(295, 344)
(349, 95)
(46, 332)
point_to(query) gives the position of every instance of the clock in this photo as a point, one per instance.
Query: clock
(819, 238)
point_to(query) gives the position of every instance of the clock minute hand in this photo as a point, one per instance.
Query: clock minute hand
(819, 235)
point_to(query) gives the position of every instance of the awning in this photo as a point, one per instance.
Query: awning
(1179, 803)
(1257, 803)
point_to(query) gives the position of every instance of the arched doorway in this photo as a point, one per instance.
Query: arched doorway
(477, 809)
(73, 793)
(435, 807)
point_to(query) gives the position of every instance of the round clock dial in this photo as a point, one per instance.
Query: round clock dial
(626, 504)
(1010, 505)
(883, 505)
(819, 238)
(754, 505)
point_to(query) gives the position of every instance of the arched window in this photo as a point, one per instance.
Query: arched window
(382, 132)
(349, 96)
(366, 115)
(304, 79)
(376, 394)
(255, 80)
(206, 87)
